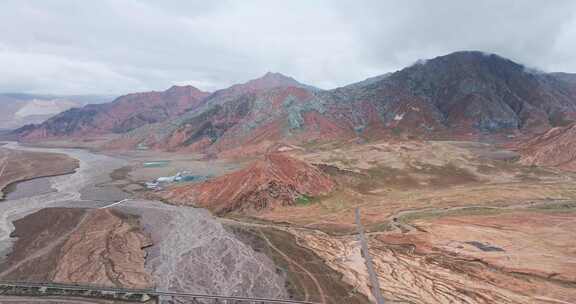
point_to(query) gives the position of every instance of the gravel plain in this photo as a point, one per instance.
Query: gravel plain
(194, 252)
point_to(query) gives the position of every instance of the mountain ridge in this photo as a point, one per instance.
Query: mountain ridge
(460, 94)
(121, 115)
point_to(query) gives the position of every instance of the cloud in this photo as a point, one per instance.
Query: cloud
(121, 46)
(519, 29)
(32, 70)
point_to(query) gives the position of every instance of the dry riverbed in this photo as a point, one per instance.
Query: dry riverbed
(142, 243)
(17, 165)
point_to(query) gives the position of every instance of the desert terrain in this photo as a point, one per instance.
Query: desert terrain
(386, 179)
(447, 221)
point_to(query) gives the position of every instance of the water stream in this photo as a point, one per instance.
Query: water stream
(192, 250)
(67, 190)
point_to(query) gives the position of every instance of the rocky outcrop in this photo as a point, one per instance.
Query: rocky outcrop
(278, 180)
(123, 114)
(554, 148)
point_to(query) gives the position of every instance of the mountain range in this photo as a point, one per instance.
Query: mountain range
(121, 115)
(459, 94)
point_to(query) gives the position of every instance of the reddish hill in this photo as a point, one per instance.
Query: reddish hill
(277, 180)
(555, 148)
(121, 115)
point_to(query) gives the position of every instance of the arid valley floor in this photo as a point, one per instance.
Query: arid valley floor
(447, 222)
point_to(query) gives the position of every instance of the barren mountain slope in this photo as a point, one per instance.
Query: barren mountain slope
(121, 115)
(460, 94)
(555, 148)
(463, 94)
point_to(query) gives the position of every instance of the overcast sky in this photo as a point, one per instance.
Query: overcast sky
(121, 46)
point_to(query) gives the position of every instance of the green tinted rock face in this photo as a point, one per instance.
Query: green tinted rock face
(471, 92)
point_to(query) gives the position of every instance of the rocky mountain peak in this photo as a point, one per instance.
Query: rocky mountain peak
(465, 63)
(273, 80)
(185, 89)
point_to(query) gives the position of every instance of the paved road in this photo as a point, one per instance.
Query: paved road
(4, 162)
(368, 259)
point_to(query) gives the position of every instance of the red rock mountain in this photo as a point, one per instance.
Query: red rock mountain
(277, 180)
(242, 114)
(121, 115)
(555, 148)
(460, 94)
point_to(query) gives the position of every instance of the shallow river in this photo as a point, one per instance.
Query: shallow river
(66, 190)
(192, 250)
